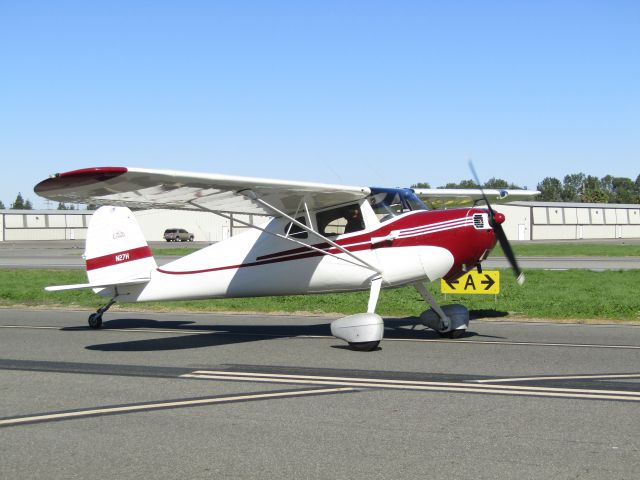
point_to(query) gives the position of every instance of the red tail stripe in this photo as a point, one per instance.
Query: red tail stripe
(118, 258)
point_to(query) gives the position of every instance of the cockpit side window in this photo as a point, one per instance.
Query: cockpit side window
(389, 202)
(295, 231)
(340, 220)
(386, 205)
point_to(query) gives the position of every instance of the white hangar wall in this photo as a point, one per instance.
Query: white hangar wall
(17, 225)
(205, 226)
(570, 221)
(524, 221)
(21, 225)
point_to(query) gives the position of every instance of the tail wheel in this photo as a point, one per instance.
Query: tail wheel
(95, 320)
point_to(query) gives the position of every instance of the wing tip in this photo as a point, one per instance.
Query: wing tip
(78, 177)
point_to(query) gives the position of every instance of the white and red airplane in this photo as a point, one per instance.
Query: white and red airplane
(321, 238)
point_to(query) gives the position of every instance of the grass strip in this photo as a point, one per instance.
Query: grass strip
(566, 249)
(560, 249)
(572, 250)
(572, 294)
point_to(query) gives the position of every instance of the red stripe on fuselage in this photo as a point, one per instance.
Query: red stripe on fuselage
(118, 258)
(448, 236)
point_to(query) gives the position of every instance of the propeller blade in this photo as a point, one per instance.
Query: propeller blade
(499, 231)
(508, 252)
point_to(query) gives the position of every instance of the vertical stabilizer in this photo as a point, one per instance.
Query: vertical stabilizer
(116, 250)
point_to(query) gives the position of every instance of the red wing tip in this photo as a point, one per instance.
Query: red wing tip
(92, 171)
(76, 178)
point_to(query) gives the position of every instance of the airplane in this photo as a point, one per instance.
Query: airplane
(319, 238)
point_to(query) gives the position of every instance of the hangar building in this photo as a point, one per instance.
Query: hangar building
(524, 221)
(18, 225)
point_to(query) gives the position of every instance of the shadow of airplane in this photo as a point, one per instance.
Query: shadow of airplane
(201, 336)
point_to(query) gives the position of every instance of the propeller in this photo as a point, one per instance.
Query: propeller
(496, 220)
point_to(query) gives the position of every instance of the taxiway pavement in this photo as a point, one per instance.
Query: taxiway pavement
(174, 395)
(68, 254)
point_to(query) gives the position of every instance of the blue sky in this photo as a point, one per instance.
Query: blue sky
(362, 93)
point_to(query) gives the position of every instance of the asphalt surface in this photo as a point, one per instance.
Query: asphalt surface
(255, 396)
(68, 254)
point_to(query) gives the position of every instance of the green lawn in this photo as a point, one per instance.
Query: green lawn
(520, 249)
(572, 250)
(573, 294)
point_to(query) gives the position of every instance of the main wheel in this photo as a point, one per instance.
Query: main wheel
(364, 346)
(453, 333)
(95, 320)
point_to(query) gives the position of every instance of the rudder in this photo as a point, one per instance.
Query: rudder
(116, 249)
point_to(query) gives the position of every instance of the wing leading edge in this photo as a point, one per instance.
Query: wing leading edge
(440, 198)
(147, 188)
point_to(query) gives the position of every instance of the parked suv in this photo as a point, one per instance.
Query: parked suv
(177, 235)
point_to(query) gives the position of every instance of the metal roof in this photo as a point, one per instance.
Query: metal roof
(574, 205)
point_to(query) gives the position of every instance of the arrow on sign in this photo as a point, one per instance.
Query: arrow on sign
(451, 284)
(489, 282)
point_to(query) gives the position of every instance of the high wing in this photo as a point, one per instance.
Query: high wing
(441, 198)
(147, 188)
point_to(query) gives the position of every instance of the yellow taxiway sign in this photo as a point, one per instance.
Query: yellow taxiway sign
(485, 283)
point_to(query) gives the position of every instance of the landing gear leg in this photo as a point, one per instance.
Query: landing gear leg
(362, 331)
(95, 319)
(449, 321)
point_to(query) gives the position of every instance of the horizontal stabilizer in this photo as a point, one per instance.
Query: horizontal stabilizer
(78, 286)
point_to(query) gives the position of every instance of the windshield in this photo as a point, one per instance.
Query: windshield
(390, 202)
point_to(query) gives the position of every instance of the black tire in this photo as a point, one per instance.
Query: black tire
(191, 238)
(364, 346)
(95, 320)
(453, 334)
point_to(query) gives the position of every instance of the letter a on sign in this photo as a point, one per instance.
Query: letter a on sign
(469, 283)
(487, 283)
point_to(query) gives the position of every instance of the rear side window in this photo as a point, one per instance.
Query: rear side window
(294, 231)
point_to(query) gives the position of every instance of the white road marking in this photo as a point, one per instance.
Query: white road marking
(533, 344)
(163, 405)
(562, 377)
(423, 340)
(416, 385)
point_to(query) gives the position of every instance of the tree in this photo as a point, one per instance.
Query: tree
(1, 205)
(624, 191)
(20, 204)
(421, 185)
(64, 206)
(593, 192)
(606, 184)
(572, 187)
(462, 184)
(500, 183)
(550, 190)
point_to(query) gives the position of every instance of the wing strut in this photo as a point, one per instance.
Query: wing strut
(250, 194)
(359, 263)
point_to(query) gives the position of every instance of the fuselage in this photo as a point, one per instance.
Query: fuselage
(406, 247)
